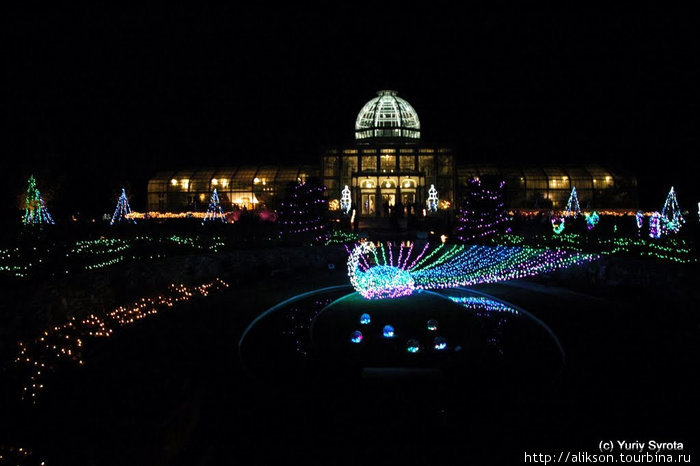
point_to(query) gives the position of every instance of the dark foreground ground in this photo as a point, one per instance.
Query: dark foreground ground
(170, 390)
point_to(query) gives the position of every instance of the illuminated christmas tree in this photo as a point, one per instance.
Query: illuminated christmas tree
(572, 205)
(303, 215)
(214, 211)
(671, 216)
(35, 212)
(122, 211)
(483, 212)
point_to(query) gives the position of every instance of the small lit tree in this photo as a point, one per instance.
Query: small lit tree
(123, 210)
(303, 214)
(35, 211)
(671, 215)
(572, 206)
(483, 210)
(214, 210)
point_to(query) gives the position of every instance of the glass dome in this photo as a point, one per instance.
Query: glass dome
(387, 116)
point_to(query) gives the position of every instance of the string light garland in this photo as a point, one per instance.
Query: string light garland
(481, 303)
(66, 342)
(59, 258)
(19, 456)
(123, 210)
(341, 237)
(35, 211)
(214, 210)
(673, 250)
(449, 267)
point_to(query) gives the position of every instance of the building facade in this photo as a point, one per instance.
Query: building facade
(389, 166)
(248, 187)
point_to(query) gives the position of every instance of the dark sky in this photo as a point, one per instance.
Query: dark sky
(98, 97)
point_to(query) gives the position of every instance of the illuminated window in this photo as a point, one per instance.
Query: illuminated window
(388, 162)
(408, 163)
(350, 165)
(173, 182)
(369, 163)
(426, 164)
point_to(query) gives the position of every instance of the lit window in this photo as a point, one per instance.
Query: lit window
(214, 181)
(173, 182)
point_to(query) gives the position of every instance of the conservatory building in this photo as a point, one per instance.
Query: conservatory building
(388, 165)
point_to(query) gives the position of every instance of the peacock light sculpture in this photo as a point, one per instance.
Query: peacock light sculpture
(376, 274)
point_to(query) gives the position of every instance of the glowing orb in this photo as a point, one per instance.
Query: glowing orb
(385, 281)
(388, 331)
(356, 336)
(439, 343)
(365, 319)
(432, 325)
(412, 346)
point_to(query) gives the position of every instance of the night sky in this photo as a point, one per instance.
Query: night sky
(98, 97)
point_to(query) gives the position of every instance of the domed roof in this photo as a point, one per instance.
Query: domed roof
(387, 115)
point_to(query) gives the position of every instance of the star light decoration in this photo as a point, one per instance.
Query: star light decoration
(375, 276)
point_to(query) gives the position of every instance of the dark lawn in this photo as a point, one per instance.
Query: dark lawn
(170, 390)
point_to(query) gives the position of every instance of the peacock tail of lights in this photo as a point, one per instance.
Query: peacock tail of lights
(379, 271)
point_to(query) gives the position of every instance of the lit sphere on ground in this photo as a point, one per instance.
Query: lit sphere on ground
(365, 319)
(432, 325)
(356, 336)
(413, 345)
(388, 331)
(439, 343)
